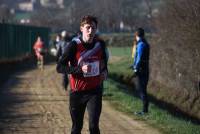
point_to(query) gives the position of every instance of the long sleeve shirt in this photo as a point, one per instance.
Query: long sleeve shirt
(141, 57)
(69, 55)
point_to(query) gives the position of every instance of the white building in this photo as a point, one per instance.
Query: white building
(26, 6)
(52, 3)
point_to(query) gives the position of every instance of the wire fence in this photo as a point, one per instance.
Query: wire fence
(17, 40)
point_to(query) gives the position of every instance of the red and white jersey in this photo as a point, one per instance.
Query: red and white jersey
(92, 57)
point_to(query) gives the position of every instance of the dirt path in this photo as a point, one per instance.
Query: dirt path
(33, 104)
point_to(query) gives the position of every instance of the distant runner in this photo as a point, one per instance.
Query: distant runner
(39, 52)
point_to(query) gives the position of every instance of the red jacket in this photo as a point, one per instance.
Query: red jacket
(39, 48)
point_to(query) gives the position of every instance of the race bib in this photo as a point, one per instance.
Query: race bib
(94, 69)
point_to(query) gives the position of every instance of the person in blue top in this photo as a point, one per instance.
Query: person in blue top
(140, 67)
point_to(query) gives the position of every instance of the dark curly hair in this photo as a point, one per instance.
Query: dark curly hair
(88, 19)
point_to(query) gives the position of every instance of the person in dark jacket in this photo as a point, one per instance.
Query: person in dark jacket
(61, 44)
(140, 67)
(85, 60)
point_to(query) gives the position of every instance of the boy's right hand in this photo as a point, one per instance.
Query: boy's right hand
(86, 68)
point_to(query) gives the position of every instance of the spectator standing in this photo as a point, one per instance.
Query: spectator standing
(134, 46)
(58, 38)
(140, 67)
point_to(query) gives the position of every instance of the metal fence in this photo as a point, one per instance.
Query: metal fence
(17, 40)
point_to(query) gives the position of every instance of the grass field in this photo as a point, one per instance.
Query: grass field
(124, 98)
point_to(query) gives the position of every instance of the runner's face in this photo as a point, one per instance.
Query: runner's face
(88, 32)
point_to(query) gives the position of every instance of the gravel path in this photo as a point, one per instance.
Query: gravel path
(33, 102)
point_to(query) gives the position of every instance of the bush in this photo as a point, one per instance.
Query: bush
(175, 54)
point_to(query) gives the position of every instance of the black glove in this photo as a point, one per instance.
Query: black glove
(135, 72)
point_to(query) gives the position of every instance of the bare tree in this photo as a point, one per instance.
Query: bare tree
(109, 12)
(5, 15)
(149, 7)
(49, 18)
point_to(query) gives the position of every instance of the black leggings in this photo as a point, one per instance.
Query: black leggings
(91, 99)
(65, 81)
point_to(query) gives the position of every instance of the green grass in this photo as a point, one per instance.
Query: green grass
(123, 99)
(119, 51)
